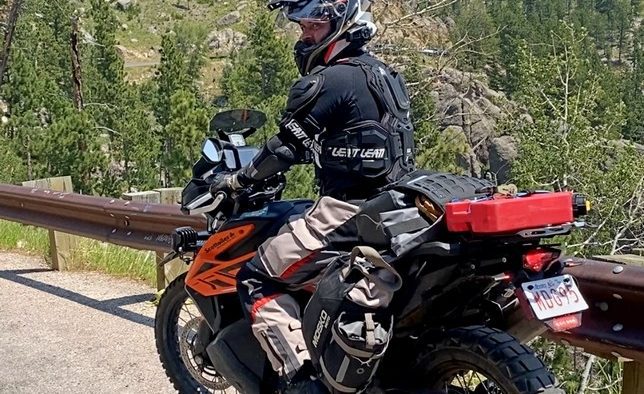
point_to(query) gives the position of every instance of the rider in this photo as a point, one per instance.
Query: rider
(349, 114)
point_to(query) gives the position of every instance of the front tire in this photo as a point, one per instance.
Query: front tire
(176, 329)
(479, 359)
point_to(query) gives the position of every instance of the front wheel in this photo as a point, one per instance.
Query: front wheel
(479, 360)
(178, 326)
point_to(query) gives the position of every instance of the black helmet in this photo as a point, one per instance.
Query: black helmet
(346, 16)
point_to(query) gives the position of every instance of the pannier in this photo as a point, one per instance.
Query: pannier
(347, 325)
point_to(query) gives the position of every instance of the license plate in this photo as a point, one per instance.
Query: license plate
(554, 296)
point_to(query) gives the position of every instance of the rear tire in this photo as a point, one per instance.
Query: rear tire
(507, 366)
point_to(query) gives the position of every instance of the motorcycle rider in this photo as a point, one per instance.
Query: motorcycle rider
(349, 114)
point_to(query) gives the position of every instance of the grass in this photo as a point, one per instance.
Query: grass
(29, 239)
(88, 255)
(91, 255)
(149, 19)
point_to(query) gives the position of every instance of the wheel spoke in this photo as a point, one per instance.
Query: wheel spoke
(469, 381)
(462, 381)
(483, 382)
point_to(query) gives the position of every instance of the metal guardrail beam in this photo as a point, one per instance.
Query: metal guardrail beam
(612, 328)
(137, 225)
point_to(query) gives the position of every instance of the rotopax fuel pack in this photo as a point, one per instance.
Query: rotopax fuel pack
(499, 215)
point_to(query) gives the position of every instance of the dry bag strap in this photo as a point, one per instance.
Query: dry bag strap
(373, 257)
(370, 327)
(366, 355)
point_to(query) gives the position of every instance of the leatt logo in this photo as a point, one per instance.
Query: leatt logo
(296, 129)
(298, 132)
(369, 153)
(323, 322)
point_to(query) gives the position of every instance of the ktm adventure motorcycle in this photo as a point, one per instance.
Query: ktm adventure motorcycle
(470, 297)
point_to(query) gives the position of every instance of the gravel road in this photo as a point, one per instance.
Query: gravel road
(75, 332)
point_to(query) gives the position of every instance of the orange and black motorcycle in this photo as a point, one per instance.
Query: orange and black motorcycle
(484, 283)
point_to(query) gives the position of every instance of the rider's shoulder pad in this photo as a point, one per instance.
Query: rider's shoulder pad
(304, 92)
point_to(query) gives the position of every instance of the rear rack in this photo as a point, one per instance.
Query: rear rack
(549, 231)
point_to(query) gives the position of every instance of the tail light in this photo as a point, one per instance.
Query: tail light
(565, 322)
(537, 259)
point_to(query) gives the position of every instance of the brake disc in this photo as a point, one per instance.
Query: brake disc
(195, 363)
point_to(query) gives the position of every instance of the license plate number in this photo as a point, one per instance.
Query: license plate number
(554, 297)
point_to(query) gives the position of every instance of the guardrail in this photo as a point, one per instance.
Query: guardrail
(138, 225)
(612, 328)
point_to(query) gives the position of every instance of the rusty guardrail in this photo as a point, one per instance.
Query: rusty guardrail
(612, 328)
(137, 225)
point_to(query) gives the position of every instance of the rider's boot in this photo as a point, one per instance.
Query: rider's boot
(304, 382)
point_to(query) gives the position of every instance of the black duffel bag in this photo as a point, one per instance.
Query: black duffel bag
(347, 325)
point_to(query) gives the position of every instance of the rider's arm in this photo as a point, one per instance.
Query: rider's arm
(295, 139)
(275, 156)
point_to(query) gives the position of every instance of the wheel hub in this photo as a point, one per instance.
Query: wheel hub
(198, 365)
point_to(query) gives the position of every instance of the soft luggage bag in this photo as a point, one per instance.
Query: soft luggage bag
(346, 324)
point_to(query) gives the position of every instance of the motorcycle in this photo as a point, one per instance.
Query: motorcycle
(470, 298)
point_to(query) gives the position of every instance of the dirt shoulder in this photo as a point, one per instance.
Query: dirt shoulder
(75, 332)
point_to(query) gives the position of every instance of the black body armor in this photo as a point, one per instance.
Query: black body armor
(352, 120)
(377, 152)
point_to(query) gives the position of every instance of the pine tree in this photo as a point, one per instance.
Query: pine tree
(77, 151)
(137, 147)
(513, 27)
(173, 75)
(261, 74)
(175, 91)
(476, 36)
(103, 67)
(37, 87)
(185, 133)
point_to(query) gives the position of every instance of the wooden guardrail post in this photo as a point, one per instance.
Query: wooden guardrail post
(176, 267)
(633, 382)
(60, 244)
(149, 196)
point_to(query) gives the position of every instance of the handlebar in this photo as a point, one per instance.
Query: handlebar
(230, 204)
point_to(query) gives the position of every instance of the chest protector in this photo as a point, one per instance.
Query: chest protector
(371, 149)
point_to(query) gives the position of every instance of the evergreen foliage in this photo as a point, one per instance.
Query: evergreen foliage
(476, 30)
(184, 136)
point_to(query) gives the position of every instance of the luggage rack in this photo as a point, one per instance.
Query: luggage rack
(456, 248)
(543, 232)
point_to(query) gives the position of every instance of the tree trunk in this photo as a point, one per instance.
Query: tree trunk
(76, 67)
(11, 27)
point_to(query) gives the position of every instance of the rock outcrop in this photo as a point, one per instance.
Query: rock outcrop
(465, 103)
(223, 42)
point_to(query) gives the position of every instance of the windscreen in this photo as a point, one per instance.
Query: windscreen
(246, 154)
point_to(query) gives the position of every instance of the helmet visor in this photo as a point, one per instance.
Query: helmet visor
(316, 10)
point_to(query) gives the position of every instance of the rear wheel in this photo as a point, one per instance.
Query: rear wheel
(176, 329)
(482, 360)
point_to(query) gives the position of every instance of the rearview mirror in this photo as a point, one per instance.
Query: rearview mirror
(212, 151)
(237, 121)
